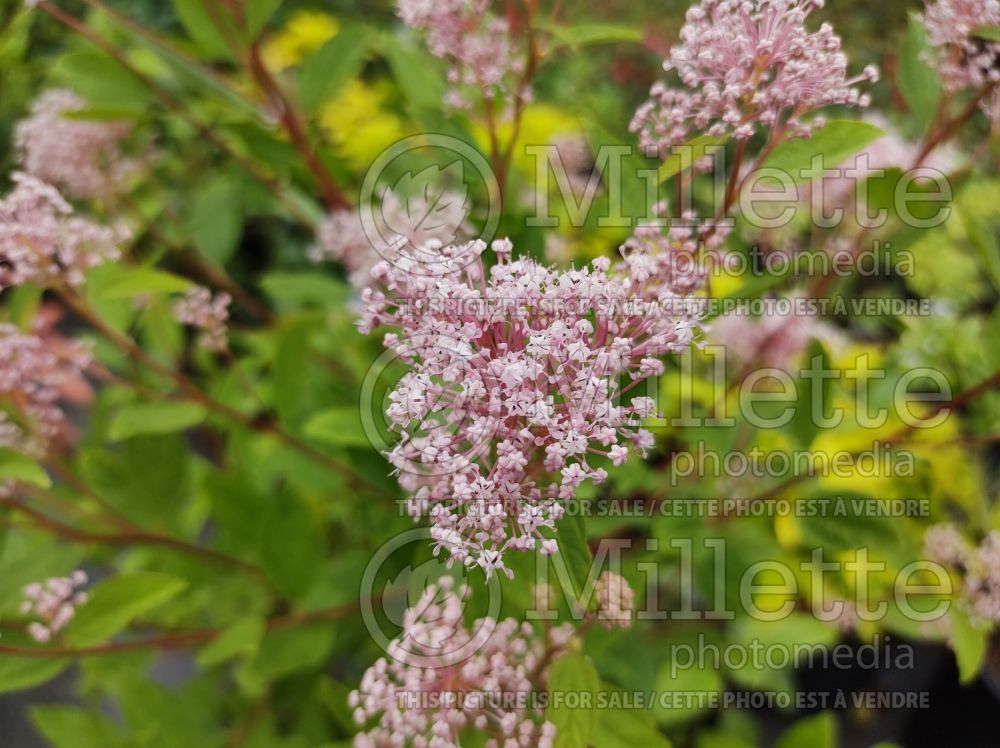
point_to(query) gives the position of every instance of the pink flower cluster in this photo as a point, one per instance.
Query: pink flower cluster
(481, 49)
(518, 378)
(82, 157)
(200, 309)
(746, 64)
(403, 225)
(771, 340)
(42, 241)
(55, 602)
(443, 678)
(963, 60)
(980, 566)
(615, 601)
(33, 375)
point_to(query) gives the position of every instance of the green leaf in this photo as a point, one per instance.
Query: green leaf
(201, 27)
(115, 602)
(18, 672)
(683, 157)
(333, 64)
(572, 535)
(155, 418)
(242, 638)
(302, 289)
(917, 82)
(593, 33)
(417, 74)
(72, 727)
(970, 644)
(288, 650)
(291, 566)
(814, 397)
(627, 728)
(835, 142)
(103, 82)
(812, 732)
(17, 467)
(573, 675)
(340, 426)
(258, 13)
(129, 282)
(215, 220)
(990, 33)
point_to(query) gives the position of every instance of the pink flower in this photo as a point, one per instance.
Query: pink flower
(746, 64)
(615, 601)
(55, 602)
(200, 309)
(81, 156)
(443, 680)
(34, 373)
(962, 59)
(516, 379)
(43, 242)
(405, 224)
(481, 49)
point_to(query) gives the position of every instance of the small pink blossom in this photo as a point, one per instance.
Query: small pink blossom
(481, 49)
(615, 601)
(54, 601)
(747, 64)
(83, 157)
(42, 241)
(443, 679)
(200, 309)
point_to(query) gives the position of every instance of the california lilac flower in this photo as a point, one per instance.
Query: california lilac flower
(746, 64)
(82, 157)
(442, 678)
(33, 374)
(42, 241)
(964, 60)
(55, 602)
(208, 313)
(519, 377)
(480, 48)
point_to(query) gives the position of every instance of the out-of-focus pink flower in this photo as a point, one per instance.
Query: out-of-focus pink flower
(482, 51)
(963, 60)
(54, 601)
(34, 375)
(519, 375)
(746, 64)
(615, 601)
(404, 224)
(82, 157)
(442, 678)
(210, 314)
(42, 241)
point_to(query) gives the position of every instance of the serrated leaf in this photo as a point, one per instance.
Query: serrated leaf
(115, 602)
(835, 142)
(155, 418)
(333, 64)
(241, 639)
(574, 719)
(17, 467)
(683, 157)
(340, 426)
